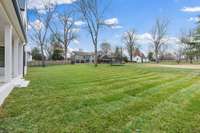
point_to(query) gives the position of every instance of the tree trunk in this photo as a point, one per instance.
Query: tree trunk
(66, 55)
(121, 55)
(157, 58)
(131, 54)
(43, 57)
(178, 61)
(66, 49)
(96, 56)
(191, 61)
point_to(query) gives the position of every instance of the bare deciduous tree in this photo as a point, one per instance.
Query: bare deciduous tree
(68, 33)
(158, 36)
(92, 12)
(179, 53)
(130, 38)
(40, 27)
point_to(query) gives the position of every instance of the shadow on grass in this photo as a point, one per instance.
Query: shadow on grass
(115, 65)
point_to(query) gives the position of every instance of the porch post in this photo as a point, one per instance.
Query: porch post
(25, 60)
(16, 57)
(8, 52)
(20, 57)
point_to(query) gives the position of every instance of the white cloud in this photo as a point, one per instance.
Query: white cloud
(146, 39)
(39, 4)
(117, 27)
(76, 41)
(37, 24)
(143, 38)
(191, 9)
(111, 21)
(79, 23)
(75, 30)
(173, 40)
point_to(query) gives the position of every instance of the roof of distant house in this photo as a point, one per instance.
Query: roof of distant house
(81, 53)
(137, 52)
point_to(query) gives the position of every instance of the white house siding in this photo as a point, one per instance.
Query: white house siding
(12, 39)
(1, 72)
(82, 57)
(137, 59)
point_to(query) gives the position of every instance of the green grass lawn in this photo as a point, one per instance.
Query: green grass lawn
(81, 98)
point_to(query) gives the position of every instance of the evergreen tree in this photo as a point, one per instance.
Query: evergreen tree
(36, 54)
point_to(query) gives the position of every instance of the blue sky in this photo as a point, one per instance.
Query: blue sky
(141, 15)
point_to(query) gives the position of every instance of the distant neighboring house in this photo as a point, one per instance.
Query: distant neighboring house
(13, 40)
(29, 57)
(105, 58)
(139, 57)
(82, 57)
(167, 56)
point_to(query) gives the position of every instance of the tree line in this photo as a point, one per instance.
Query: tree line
(89, 12)
(54, 31)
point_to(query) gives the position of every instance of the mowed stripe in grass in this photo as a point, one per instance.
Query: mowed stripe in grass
(98, 95)
(131, 107)
(82, 98)
(178, 113)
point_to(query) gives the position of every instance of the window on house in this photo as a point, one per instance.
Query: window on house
(1, 56)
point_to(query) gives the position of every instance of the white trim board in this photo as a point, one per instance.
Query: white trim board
(5, 90)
